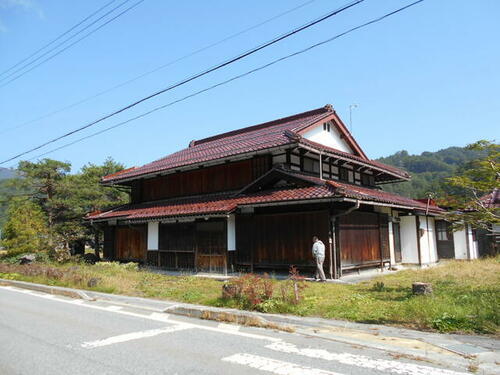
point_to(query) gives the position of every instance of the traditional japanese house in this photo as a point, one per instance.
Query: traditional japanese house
(252, 199)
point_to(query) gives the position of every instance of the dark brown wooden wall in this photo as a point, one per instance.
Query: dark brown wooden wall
(383, 220)
(130, 242)
(108, 249)
(224, 177)
(200, 245)
(280, 239)
(363, 238)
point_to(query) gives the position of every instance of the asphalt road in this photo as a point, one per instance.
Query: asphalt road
(46, 334)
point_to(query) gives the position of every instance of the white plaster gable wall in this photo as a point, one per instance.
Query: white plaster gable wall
(331, 139)
(153, 239)
(409, 249)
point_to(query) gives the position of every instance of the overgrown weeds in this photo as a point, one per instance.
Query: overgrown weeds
(255, 292)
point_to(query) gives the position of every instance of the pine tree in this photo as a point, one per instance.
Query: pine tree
(26, 227)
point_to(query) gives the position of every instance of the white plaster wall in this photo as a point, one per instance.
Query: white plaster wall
(472, 244)
(391, 244)
(231, 233)
(428, 246)
(409, 249)
(330, 139)
(153, 239)
(460, 244)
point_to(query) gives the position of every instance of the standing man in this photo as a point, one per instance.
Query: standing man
(318, 251)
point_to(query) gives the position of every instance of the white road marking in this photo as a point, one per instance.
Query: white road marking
(228, 327)
(113, 308)
(133, 336)
(274, 366)
(77, 302)
(383, 365)
(159, 317)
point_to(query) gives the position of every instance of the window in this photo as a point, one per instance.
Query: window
(442, 231)
(311, 165)
(343, 174)
(326, 126)
(367, 179)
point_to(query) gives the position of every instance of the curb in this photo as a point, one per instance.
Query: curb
(56, 290)
(227, 316)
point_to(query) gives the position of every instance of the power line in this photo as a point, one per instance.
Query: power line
(70, 45)
(191, 78)
(59, 37)
(232, 36)
(276, 61)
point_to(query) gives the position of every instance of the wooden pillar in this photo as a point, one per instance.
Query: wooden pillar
(333, 249)
(338, 248)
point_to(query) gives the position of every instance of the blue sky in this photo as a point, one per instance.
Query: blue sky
(423, 80)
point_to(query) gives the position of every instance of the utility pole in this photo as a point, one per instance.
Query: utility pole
(351, 107)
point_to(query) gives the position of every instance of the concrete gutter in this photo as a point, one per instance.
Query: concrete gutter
(473, 352)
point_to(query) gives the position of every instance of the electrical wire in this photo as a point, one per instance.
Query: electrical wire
(142, 75)
(373, 21)
(69, 46)
(191, 78)
(59, 37)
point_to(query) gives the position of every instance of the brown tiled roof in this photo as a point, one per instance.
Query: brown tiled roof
(210, 204)
(224, 203)
(491, 200)
(369, 194)
(281, 132)
(253, 138)
(348, 190)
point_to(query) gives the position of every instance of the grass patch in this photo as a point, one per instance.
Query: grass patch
(466, 295)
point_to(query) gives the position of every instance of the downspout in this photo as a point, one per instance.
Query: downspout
(334, 268)
(320, 165)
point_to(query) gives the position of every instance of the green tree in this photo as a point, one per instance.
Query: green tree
(82, 193)
(43, 181)
(476, 179)
(66, 198)
(25, 229)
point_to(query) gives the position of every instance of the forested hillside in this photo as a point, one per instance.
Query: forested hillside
(428, 170)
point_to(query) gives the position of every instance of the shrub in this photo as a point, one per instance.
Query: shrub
(61, 255)
(379, 286)
(250, 290)
(256, 292)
